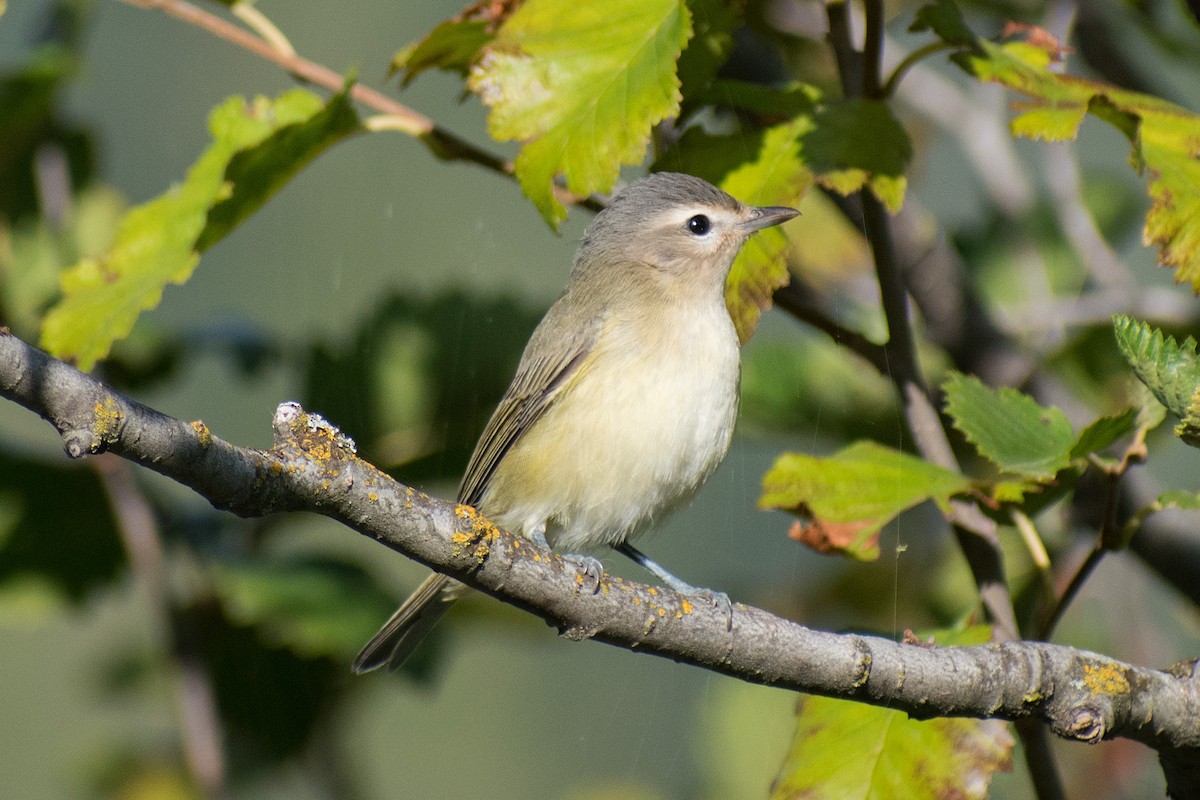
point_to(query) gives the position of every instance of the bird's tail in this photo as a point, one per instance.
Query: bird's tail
(401, 634)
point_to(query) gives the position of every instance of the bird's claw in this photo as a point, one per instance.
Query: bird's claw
(590, 571)
(718, 600)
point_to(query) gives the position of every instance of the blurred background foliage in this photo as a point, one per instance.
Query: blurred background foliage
(151, 647)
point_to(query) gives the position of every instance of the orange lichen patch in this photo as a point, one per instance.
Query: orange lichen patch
(477, 540)
(108, 418)
(204, 436)
(685, 606)
(1106, 679)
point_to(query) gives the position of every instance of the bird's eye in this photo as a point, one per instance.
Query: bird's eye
(699, 225)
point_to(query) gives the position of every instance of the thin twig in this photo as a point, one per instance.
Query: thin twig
(797, 300)
(302, 68)
(199, 720)
(1040, 761)
(849, 60)
(399, 117)
(1107, 539)
(976, 533)
(872, 49)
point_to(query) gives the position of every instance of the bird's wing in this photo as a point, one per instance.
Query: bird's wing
(539, 381)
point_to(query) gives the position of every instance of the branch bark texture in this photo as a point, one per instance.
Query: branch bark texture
(1080, 695)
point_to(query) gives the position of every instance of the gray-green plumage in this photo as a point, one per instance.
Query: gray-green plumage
(626, 395)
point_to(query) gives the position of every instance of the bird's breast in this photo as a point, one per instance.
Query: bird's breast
(637, 432)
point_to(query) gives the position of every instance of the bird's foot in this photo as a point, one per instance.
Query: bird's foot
(718, 600)
(590, 571)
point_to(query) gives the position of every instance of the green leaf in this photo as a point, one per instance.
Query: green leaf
(859, 143)
(313, 606)
(1188, 428)
(845, 750)
(32, 116)
(709, 48)
(1187, 501)
(850, 495)
(451, 46)
(256, 173)
(1182, 500)
(1009, 428)
(256, 146)
(581, 85)
(1103, 432)
(1162, 135)
(56, 528)
(1168, 369)
(789, 102)
(944, 19)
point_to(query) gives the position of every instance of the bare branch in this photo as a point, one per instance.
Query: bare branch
(1080, 695)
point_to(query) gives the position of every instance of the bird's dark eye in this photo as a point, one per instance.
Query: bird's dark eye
(699, 225)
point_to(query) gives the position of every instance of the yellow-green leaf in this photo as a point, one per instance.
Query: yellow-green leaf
(859, 143)
(581, 85)
(844, 750)
(450, 46)
(256, 146)
(1165, 138)
(849, 496)
(1009, 428)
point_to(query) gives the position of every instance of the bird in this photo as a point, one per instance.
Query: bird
(625, 398)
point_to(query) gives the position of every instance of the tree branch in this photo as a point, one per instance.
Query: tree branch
(1080, 695)
(975, 532)
(443, 143)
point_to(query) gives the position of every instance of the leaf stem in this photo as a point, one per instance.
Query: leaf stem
(1107, 539)
(910, 61)
(258, 22)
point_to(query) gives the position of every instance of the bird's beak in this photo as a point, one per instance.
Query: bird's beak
(765, 217)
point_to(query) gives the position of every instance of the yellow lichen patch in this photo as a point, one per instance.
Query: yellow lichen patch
(372, 498)
(662, 612)
(1106, 679)
(108, 419)
(478, 539)
(686, 606)
(651, 590)
(203, 434)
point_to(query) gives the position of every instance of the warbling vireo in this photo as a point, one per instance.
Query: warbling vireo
(625, 398)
